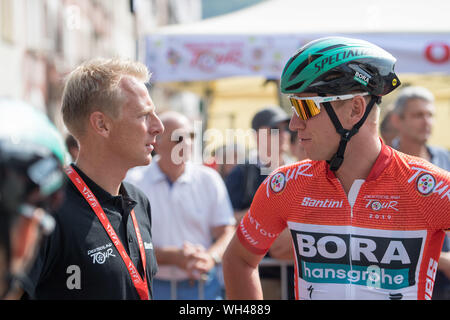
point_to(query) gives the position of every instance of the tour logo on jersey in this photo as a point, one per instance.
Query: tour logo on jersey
(278, 182)
(378, 205)
(425, 183)
(385, 203)
(385, 259)
(101, 254)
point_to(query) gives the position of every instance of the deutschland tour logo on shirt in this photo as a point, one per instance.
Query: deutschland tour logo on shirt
(101, 254)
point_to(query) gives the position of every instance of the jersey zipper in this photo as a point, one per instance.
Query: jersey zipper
(352, 196)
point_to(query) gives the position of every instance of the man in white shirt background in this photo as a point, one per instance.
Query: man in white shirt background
(192, 216)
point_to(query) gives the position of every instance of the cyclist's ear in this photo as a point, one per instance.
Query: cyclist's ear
(358, 107)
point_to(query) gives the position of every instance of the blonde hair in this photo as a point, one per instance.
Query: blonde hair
(94, 86)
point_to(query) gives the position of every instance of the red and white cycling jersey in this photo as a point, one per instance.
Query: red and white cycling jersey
(381, 241)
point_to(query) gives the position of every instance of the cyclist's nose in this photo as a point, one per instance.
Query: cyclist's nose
(296, 123)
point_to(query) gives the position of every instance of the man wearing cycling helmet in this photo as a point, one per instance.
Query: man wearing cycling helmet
(31, 177)
(367, 222)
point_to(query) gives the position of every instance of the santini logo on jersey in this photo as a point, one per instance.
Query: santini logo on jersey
(327, 203)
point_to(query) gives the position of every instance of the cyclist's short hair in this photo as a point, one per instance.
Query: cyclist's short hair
(94, 86)
(408, 93)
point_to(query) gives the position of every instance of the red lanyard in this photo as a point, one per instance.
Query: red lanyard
(140, 285)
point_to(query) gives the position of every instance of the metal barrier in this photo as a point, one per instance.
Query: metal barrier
(266, 262)
(283, 264)
(201, 289)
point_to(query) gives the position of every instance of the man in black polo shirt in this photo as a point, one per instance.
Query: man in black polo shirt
(102, 247)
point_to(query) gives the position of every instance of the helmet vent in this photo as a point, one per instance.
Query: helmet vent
(302, 65)
(333, 76)
(295, 86)
(332, 47)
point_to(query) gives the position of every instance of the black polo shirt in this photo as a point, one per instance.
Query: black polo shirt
(79, 261)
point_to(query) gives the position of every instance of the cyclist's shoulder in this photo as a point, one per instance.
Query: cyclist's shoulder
(294, 176)
(411, 166)
(425, 183)
(305, 168)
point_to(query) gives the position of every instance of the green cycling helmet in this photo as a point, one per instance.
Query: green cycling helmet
(338, 65)
(32, 156)
(32, 152)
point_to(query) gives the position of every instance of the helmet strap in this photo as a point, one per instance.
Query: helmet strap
(336, 161)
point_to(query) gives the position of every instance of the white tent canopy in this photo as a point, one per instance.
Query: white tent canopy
(257, 41)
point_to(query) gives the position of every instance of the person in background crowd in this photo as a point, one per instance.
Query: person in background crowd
(192, 216)
(413, 116)
(31, 183)
(102, 244)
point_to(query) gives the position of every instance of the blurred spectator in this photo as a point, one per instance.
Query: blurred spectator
(191, 213)
(387, 130)
(72, 146)
(244, 179)
(413, 116)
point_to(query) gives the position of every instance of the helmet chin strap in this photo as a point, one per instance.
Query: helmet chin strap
(336, 161)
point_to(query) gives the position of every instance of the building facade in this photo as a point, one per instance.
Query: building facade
(41, 41)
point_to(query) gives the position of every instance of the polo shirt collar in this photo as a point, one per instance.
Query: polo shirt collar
(101, 194)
